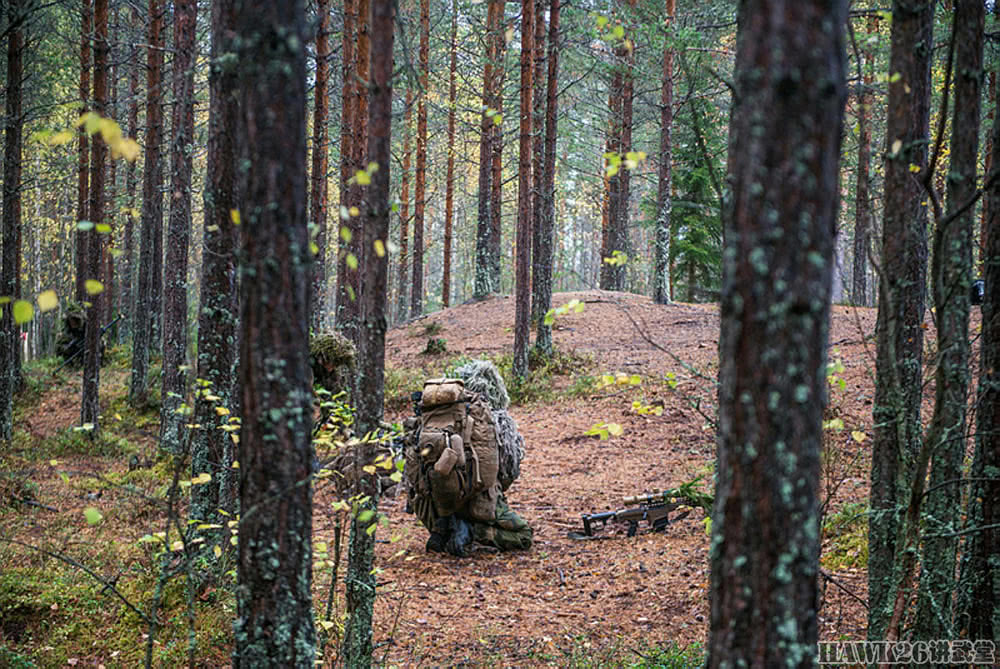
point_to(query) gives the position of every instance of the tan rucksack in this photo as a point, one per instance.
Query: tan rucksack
(453, 464)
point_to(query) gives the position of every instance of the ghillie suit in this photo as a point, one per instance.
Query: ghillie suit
(69, 345)
(456, 474)
(482, 376)
(332, 357)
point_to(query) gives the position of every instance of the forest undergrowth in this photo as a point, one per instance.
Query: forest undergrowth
(624, 406)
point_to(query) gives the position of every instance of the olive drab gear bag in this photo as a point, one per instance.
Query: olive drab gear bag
(454, 463)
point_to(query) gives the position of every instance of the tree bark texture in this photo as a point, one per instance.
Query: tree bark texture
(128, 260)
(360, 579)
(621, 225)
(612, 274)
(779, 225)
(951, 277)
(212, 449)
(152, 209)
(83, 151)
(449, 198)
(899, 327)
(862, 205)
(403, 304)
(420, 187)
(89, 405)
(984, 214)
(542, 285)
(274, 625)
(664, 196)
(175, 302)
(11, 216)
(350, 316)
(978, 605)
(496, 149)
(486, 280)
(539, 84)
(320, 164)
(522, 281)
(345, 296)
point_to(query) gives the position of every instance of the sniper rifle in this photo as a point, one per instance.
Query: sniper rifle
(654, 508)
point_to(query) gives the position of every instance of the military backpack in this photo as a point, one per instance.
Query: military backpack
(453, 464)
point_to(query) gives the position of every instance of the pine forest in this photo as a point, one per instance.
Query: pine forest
(500, 333)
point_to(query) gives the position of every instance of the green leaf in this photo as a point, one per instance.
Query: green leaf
(92, 515)
(103, 228)
(345, 233)
(351, 260)
(363, 178)
(93, 286)
(23, 312)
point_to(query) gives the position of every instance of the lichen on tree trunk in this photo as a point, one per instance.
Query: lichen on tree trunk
(784, 146)
(274, 625)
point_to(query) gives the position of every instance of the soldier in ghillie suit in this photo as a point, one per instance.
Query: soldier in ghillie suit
(69, 345)
(332, 357)
(462, 453)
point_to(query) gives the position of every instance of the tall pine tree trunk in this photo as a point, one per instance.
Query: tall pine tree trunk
(351, 315)
(951, 276)
(175, 302)
(420, 190)
(625, 175)
(542, 286)
(274, 625)
(449, 198)
(899, 327)
(862, 207)
(320, 163)
(128, 260)
(496, 149)
(784, 147)
(611, 238)
(212, 449)
(486, 281)
(403, 304)
(522, 281)
(978, 603)
(539, 84)
(360, 578)
(16, 15)
(664, 196)
(83, 152)
(349, 101)
(152, 209)
(89, 404)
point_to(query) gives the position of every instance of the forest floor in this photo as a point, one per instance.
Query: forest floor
(609, 601)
